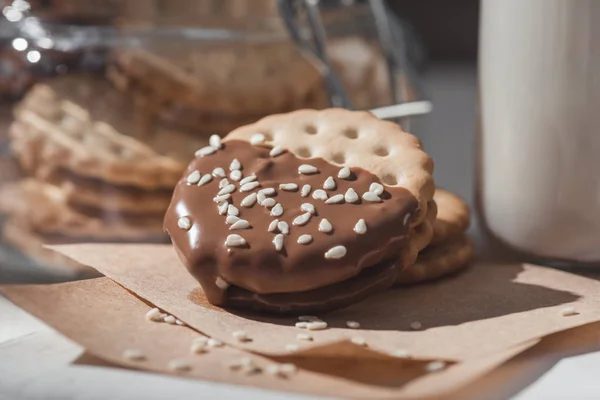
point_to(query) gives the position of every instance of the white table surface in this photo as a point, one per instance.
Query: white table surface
(36, 362)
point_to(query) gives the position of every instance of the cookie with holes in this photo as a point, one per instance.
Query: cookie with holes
(303, 212)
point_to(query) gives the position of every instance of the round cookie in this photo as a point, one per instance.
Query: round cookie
(453, 216)
(290, 232)
(439, 260)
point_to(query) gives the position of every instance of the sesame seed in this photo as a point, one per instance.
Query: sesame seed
(227, 189)
(351, 196)
(329, 184)
(289, 187)
(179, 365)
(246, 187)
(200, 339)
(215, 141)
(305, 191)
(232, 210)
(344, 173)
(268, 191)
(257, 138)
(352, 324)
(179, 322)
(376, 188)
(400, 353)
(154, 315)
(260, 197)
(302, 219)
(304, 336)
(305, 239)
(406, 218)
(231, 219)
(234, 240)
(273, 225)
(283, 227)
(370, 196)
(360, 227)
(277, 210)
(241, 336)
(435, 366)
(198, 347)
(249, 200)
(205, 151)
(307, 207)
(416, 325)
(278, 242)
(272, 369)
(235, 164)
(193, 177)
(568, 311)
(241, 224)
(288, 368)
(268, 202)
(358, 340)
(319, 194)
(222, 198)
(308, 318)
(275, 151)
(212, 343)
(223, 182)
(337, 199)
(184, 223)
(169, 319)
(325, 226)
(219, 172)
(134, 355)
(220, 283)
(301, 325)
(236, 175)
(222, 207)
(316, 325)
(250, 178)
(336, 252)
(292, 347)
(306, 169)
(204, 180)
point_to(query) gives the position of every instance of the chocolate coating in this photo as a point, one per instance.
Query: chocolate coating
(257, 267)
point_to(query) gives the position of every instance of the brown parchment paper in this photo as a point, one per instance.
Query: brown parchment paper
(488, 309)
(106, 320)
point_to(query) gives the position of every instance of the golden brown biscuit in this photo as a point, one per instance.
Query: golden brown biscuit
(453, 216)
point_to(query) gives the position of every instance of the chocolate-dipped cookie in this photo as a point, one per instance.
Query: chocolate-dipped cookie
(306, 211)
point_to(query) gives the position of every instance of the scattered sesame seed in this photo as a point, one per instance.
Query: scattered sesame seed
(301, 325)
(307, 207)
(179, 322)
(220, 199)
(200, 339)
(360, 227)
(329, 184)
(283, 227)
(234, 240)
(215, 141)
(179, 365)
(370, 196)
(154, 315)
(213, 343)
(308, 318)
(435, 366)
(232, 210)
(193, 177)
(416, 325)
(248, 179)
(204, 180)
(275, 151)
(184, 223)
(400, 353)
(288, 368)
(305, 191)
(336, 252)
(134, 355)
(316, 325)
(277, 210)
(241, 224)
(246, 187)
(222, 207)
(231, 219)
(306, 169)
(568, 311)
(249, 200)
(292, 347)
(352, 324)
(376, 188)
(257, 138)
(304, 336)
(260, 197)
(337, 199)
(273, 225)
(278, 241)
(219, 173)
(221, 283)
(320, 194)
(344, 173)
(227, 189)
(305, 239)
(241, 336)
(272, 369)
(302, 219)
(235, 164)
(198, 347)
(406, 218)
(223, 182)
(289, 187)
(268, 191)
(236, 175)
(351, 196)
(358, 340)
(169, 319)
(325, 226)
(268, 202)
(205, 151)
